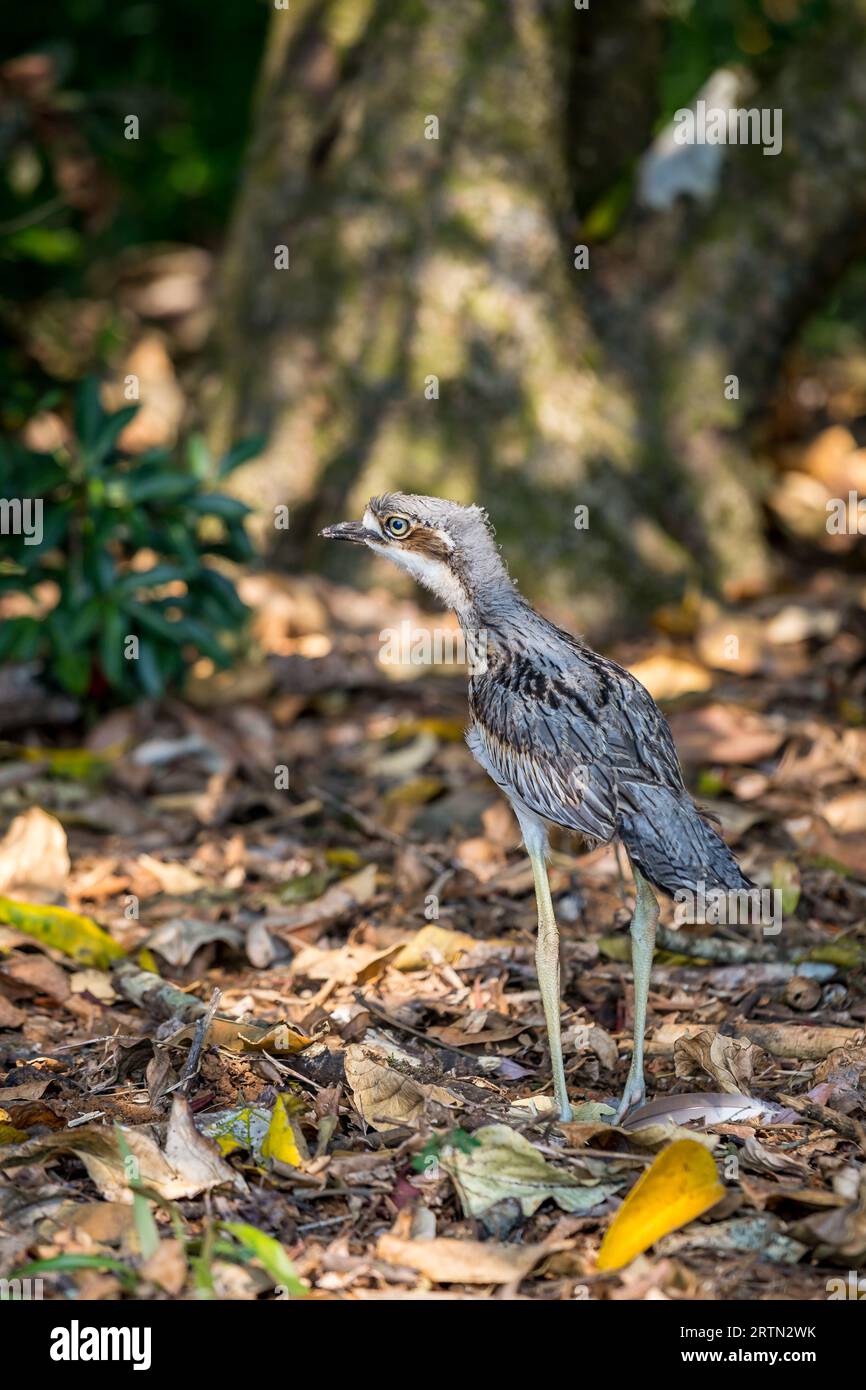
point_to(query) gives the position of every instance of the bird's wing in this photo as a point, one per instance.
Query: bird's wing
(540, 746)
(638, 737)
(572, 738)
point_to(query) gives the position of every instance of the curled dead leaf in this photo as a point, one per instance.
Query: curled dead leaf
(730, 1062)
(188, 1164)
(386, 1096)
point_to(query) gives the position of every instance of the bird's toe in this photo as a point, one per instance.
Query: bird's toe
(633, 1096)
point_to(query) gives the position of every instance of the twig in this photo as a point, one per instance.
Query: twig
(374, 831)
(416, 1032)
(831, 1119)
(713, 948)
(163, 1000)
(328, 1221)
(154, 995)
(202, 1028)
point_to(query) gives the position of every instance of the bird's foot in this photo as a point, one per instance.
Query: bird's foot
(633, 1096)
(563, 1104)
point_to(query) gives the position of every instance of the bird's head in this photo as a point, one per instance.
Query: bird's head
(447, 547)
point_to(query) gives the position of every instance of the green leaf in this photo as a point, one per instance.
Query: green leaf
(194, 631)
(198, 457)
(158, 487)
(89, 414)
(149, 670)
(83, 622)
(270, 1253)
(71, 669)
(242, 452)
(224, 590)
(217, 504)
(78, 937)
(238, 545)
(149, 616)
(99, 564)
(111, 428)
(20, 639)
(150, 579)
(47, 245)
(111, 657)
(148, 1234)
(62, 1263)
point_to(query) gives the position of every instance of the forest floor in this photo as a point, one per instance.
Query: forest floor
(306, 846)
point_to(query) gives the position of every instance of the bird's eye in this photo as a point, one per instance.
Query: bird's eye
(397, 526)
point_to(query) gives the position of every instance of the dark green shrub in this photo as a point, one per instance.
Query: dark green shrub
(100, 509)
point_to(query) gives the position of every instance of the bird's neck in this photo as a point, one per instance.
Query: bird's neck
(494, 605)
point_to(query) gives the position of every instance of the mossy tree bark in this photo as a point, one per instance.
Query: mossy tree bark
(423, 165)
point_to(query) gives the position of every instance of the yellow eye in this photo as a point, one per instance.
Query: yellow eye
(396, 526)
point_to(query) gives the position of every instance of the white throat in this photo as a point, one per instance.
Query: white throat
(434, 574)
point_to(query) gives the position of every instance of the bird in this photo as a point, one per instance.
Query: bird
(571, 738)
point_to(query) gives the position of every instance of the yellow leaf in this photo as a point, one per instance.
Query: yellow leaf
(450, 945)
(666, 676)
(280, 1037)
(449, 730)
(679, 1186)
(80, 938)
(78, 763)
(339, 858)
(8, 1133)
(284, 1142)
(415, 792)
(250, 1037)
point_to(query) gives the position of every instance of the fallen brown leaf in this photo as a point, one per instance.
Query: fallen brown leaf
(730, 1062)
(33, 852)
(448, 1261)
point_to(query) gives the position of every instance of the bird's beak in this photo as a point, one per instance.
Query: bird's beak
(353, 531)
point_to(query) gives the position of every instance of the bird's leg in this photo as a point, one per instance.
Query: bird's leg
(643, 938)
(547, 958)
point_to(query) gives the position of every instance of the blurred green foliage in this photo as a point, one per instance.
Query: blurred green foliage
(187, 71)
(100, 510)
(703, 35)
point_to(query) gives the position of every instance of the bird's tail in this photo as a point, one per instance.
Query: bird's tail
(674, 845)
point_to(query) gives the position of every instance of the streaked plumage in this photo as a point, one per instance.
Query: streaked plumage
(583, 744)
(571, 738)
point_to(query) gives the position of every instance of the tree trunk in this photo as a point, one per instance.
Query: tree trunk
(432, 332)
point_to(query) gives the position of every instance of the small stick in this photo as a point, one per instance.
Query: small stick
(395, 1023)
(154, 995)
(202, 1028)
(683, 943)
(163, 1000)
(374, 831)
(831, 1119)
